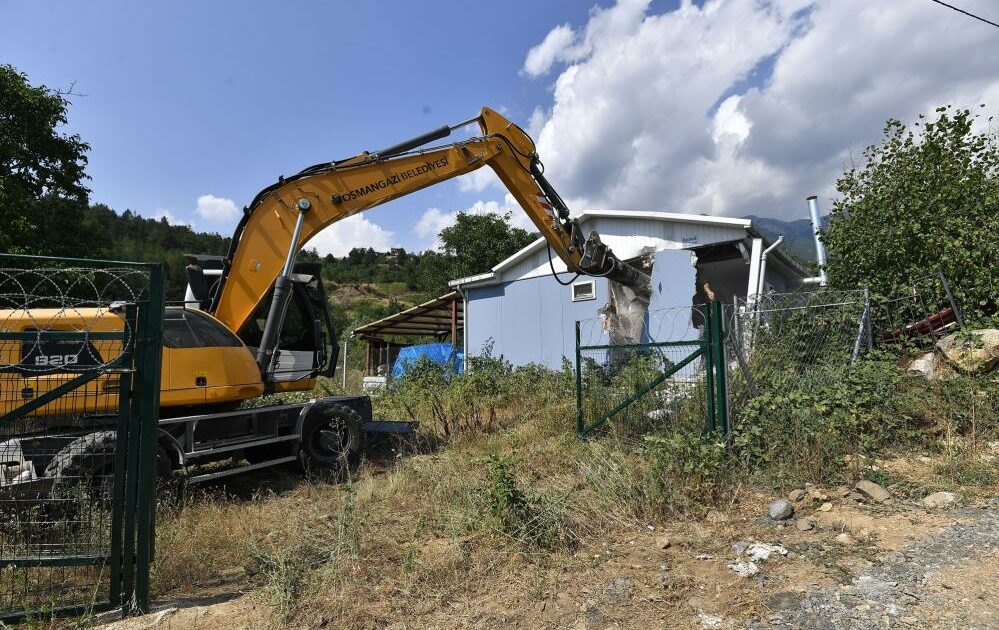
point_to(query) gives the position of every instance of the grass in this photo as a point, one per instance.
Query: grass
(499, 504)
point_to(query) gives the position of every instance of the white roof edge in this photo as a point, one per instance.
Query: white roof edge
(628, 214)
(489, 275)
(668, 216)
(523, 251)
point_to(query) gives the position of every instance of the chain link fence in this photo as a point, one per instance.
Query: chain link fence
(79, 372)
(699, 366)
(773, 341)
(916, 315)
(779, 340)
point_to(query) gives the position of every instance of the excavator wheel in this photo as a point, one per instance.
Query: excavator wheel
(88, 462)
(332, 440)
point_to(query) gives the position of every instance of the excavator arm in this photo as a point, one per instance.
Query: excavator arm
(282, 218)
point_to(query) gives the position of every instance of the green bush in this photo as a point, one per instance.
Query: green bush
(687, 471)
(491, 389)
(802, 430)
(925, 200)
(534, 519)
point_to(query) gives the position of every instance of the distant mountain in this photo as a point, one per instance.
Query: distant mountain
(797, 235)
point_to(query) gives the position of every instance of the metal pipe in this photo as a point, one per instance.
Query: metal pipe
(762, 278)
(763, 265)
(343, 376)
(820, 248)
(282, 295)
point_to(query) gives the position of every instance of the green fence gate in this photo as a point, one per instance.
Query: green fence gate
(674, 373)
(79, 402)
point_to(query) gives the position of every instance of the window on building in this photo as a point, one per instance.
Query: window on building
(586, 290)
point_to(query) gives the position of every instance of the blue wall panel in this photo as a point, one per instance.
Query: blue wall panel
(520, 330)
(529, 321)
(483, 320)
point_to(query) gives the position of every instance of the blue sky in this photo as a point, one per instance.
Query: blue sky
(720, 107)
(186, 99)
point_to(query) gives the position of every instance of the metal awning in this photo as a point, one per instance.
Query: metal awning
(439, 317)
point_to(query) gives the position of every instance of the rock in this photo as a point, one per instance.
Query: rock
(844, 539)
(825, 507)
(781, 510)
(618, 588)
(804, 525)
(856, 496)
(940, 500)
(710, 621)
(740, 547)
(761, 552)
(971, 351)
(745, 569)
(817, 495)
(663, 542)
(873, 490)
(923, 366)
(796, 495)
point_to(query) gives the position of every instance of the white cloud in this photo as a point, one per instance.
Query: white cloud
(737, 107)
(557, 46)
(434, 220)
(354, 231)
(216, 209)
(163, 213)
(478, 180)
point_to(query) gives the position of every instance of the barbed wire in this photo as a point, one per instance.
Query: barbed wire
(78, 300)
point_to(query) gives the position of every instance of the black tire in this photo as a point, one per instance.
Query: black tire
(332, 440)
(88, 461)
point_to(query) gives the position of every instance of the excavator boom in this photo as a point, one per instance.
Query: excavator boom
(284, 217)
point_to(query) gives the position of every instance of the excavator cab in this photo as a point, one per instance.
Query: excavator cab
(307, 345)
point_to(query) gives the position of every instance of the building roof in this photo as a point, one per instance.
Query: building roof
(490, 277)
(428, 319)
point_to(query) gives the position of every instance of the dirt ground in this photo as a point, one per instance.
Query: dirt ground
(862, 564)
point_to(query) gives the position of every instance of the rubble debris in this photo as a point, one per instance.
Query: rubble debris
(972, 351)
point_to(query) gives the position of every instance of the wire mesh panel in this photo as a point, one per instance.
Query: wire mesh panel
(916, 315)
(650, 384)
(79, 366)
(775, 341)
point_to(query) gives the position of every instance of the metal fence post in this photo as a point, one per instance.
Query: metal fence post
(707, 347)
(718, 350)
(150, 337)
(579, 384)
(119, 488)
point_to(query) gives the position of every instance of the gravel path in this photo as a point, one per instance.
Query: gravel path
(948, 580)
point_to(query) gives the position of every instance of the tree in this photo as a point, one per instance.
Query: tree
(926, 200)
(42, 196)
(476, 243)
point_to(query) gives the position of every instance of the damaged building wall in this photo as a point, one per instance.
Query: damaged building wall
(521, 312)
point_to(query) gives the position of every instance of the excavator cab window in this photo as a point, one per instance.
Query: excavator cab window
(307, 340)
(322, 329)
(186, 328)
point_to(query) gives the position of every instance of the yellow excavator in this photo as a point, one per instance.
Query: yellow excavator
(255, 321)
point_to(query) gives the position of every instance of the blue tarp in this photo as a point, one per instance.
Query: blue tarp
(443, 354)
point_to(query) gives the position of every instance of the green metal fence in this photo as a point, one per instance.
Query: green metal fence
(79, 402)
(674, 374)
